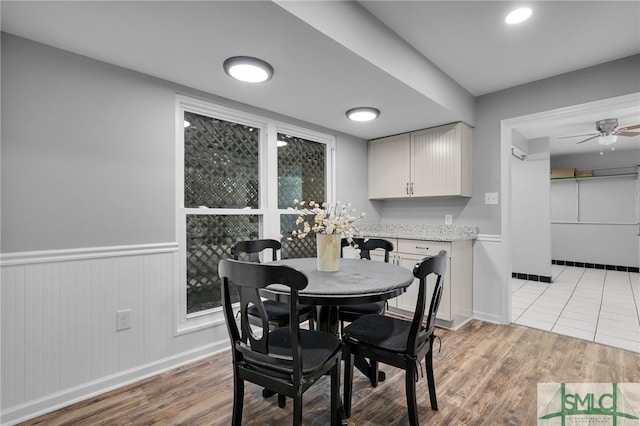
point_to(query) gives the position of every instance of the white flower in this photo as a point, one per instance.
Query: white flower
(326, 218)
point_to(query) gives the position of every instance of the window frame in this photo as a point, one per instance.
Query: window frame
(267, 210)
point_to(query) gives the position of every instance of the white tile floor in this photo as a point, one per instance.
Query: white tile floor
(591, 304)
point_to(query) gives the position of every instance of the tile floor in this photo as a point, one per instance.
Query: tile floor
(592, 304)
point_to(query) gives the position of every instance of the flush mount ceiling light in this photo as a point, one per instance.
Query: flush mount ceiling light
(518, 16)
(363, 114)
(248, 69)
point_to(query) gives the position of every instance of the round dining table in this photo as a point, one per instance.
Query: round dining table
(357, 281)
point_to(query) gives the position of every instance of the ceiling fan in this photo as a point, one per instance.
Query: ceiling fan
(608, 132)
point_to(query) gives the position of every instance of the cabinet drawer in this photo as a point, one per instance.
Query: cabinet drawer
(426, 248)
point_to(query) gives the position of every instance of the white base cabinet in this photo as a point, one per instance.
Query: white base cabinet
(456, 305)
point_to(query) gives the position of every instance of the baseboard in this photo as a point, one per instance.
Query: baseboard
(532, 277)
(589, 265)
(495, 319)
(58, 400)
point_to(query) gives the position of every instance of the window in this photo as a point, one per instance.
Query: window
(237, 177)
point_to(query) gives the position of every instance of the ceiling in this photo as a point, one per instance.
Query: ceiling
(420, 62)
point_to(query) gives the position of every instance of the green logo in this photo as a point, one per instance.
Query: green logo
(588, 403)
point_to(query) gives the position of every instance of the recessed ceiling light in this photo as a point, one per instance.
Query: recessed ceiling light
(363, 114)
(518, 15)
(248, 69)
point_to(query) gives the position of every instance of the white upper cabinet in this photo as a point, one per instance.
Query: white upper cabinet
(389, 169)
(433, 162)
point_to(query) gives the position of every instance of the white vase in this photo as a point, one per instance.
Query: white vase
(328, 249)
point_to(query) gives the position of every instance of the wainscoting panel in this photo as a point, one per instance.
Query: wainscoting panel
(59, 338)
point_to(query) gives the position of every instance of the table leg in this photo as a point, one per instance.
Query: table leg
(369, 370)
(328, 319)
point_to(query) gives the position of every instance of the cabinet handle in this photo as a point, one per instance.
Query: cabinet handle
(422, 248)
(411, 188)
(406, 190)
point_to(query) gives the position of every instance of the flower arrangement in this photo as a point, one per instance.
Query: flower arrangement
(327, 219)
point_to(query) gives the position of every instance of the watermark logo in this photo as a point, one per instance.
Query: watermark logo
(616, 404)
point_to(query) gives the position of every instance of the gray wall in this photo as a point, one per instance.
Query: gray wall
(599, 82)
(88, 152)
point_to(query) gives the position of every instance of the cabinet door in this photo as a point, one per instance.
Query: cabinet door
(407, 300)
(389, 173)
(441, 161)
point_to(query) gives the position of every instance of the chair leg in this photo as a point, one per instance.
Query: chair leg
(297, 410)
(410, 385)
(282, 400)
(428, 362)
(374, 373)
(348, 382)
(335, 395)
(238, 400)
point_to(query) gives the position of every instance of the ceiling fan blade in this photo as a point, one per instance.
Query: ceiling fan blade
(628, 133)
(635, 126)
(579, 136)
(593, 137)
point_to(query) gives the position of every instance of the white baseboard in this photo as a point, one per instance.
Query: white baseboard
(487, 317)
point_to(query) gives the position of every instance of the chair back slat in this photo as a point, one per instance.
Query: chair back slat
(435, 265)
(249, 278)
(253, 248)
(366, 245)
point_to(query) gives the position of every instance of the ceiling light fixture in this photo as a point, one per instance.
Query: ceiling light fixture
(607, 138)
(248, 69)
(518, 16)
(363, 114)
(186, 124)
(281, 143)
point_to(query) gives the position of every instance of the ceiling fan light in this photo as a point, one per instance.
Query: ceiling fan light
(363, 114)
(607, 139)
(248, 69)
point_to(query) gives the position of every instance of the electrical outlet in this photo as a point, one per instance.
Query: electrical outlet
(448, 219)
(491, 198)
(123, 319)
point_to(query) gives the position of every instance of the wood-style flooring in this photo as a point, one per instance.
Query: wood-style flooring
(486, 374)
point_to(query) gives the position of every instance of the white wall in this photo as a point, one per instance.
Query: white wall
(607, 207)
(531, 231)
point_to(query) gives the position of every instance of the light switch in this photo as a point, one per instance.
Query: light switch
(491, 198)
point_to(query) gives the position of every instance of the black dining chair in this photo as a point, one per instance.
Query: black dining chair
(400, 343)
(289, 359)
(350, 313)
(277, 312)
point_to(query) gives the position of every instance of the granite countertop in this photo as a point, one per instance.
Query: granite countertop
(419, 232)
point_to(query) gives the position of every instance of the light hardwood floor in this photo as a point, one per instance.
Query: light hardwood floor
(486, 374)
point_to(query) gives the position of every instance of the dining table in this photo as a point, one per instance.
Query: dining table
(357, 281)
